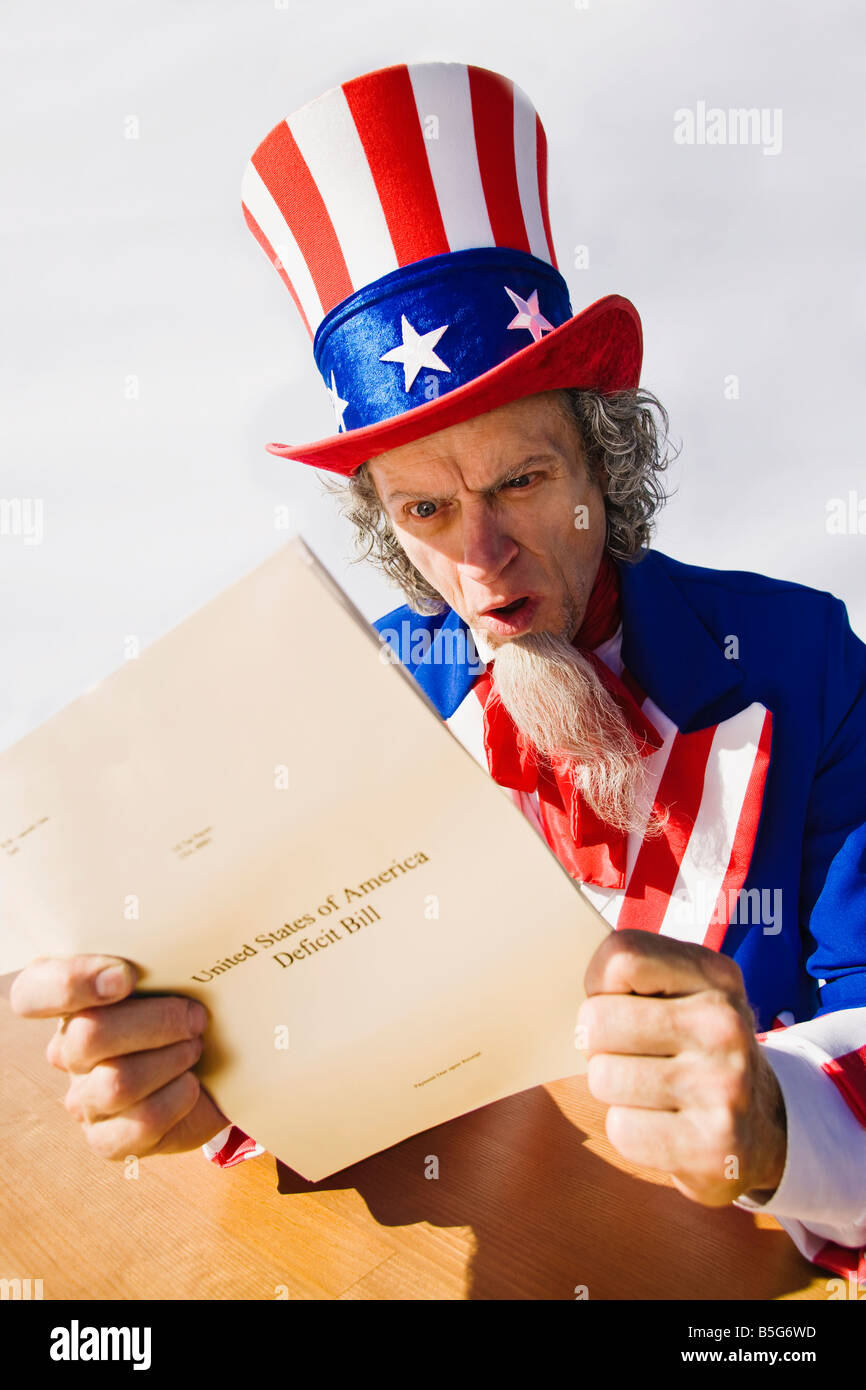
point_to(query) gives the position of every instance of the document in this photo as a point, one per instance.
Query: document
(266, 814)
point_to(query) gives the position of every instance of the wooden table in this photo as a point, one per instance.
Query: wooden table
(530, 1203)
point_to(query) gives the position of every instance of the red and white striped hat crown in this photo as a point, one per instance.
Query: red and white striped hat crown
(406, 212)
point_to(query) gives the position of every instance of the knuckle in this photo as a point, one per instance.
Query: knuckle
(720, 1137)
(140, 1134)
(18, 993)
(728, 1082)
(616, 941)
(687, 1079)
(26, 985)
(628, 942)
(191, 1088)
(715, 1023)
(618, 1128)
(57, 981)
(112, 1085)
(71, 1102)
(595, 1076)
(79, 1102)
(193, 1015)
(713, 1080)
(81, 1038)
(726, 1031)
(172, 1015)
(618, 945)
(105, 1142)
(159, 1111)
(690, 1018)
(591, 1011)
(54, 1050)
(190, 1093)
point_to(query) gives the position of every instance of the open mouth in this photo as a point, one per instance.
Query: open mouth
(512, 618)
(507, 609)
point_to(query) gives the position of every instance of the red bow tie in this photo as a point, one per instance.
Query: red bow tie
(591, 851)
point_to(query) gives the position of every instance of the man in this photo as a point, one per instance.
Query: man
(689, 742)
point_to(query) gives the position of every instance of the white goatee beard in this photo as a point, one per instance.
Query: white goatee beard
(556, 699)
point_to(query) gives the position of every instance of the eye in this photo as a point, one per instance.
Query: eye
(422, 516)
(523, 481)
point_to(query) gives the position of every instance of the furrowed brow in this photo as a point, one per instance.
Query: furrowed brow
(515, 471)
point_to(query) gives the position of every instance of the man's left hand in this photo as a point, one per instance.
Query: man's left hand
(670, 1038)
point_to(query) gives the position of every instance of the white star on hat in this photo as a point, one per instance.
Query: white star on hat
(416, 351)
(529, 315)
(339, 406)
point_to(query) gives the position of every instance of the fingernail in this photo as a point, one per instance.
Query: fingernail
(111, 982)
(197, 1017)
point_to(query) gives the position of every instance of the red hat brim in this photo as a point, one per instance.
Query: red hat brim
(599, 349)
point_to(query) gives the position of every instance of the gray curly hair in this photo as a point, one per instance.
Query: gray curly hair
(625, 438)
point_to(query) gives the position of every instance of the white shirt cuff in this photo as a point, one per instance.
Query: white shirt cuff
(822, 1193)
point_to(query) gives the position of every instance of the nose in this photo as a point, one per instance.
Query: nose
(487, 546)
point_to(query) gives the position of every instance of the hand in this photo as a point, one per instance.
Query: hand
(670, 1038)
(131, 1088)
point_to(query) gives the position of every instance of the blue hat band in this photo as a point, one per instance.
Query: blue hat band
(426, 329)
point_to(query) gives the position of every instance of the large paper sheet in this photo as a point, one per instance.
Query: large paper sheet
(263, 814)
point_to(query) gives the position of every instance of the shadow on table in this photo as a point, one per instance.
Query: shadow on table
(549, 1216)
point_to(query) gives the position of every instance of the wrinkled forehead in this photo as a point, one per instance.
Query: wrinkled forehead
(485, 445)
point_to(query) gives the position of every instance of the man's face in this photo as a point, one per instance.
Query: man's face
(501, 510)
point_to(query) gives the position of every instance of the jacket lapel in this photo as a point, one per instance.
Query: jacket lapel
(711, 774)
(669, 651)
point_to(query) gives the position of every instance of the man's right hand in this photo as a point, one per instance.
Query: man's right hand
(129, 1060)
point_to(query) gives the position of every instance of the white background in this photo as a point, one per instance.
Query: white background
(130, 258)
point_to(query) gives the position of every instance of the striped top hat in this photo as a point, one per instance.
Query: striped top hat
(406, 213)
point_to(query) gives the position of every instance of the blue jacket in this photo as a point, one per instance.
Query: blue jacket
(797, 656)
